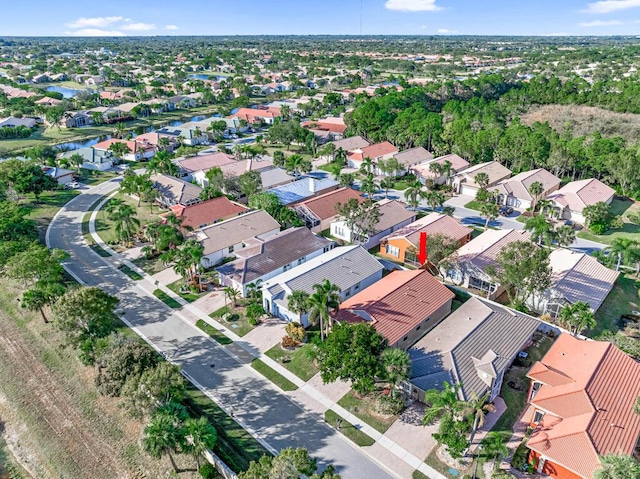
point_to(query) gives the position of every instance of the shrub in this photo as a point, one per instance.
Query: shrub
(520, 457)
(598, 228)
(295, 331)
(254, 311)
(388, 404)
(208, 471)
(617, 222)
(253, 321)
(287, 342)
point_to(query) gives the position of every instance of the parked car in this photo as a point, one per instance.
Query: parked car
(72, 185)
(506, 210)
(573, 224)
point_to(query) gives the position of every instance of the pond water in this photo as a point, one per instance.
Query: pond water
(66, 92)
(205, 76)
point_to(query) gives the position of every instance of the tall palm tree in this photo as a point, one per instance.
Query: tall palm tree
(482, 180)
(254, 291)
(626, 250)
(324, 301)
(340, 156)
(163, 435)
(493, 445)
(76, 160)
(335, 169)
(490, 211)
(414, 193)
(126, 221)
(535, 189)
(112, 206)
(565, 235)
(368, 185)
(446, 169)
(397, 365)
(200, 436)
(540, 228)
(163, 143)
(298, 302)
(434, 199)
(577, 317)
(120, 130)
(297, 165)
(231, 294)
(386, 184)
(442, 403)
(367, 167)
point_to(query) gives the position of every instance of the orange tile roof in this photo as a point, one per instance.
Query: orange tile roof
(588, 392)
(432, 224)
(397, 303)
(208, 212)
(373, 151)
(324, 206)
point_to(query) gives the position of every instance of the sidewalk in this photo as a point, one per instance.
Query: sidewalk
(306, 393)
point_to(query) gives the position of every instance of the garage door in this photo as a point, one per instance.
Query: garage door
(468, 191)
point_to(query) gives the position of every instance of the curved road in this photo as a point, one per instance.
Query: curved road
(261, 408)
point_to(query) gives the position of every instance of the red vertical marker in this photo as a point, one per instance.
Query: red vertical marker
(422, 254)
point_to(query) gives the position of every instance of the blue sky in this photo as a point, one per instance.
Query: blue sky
(231, 17)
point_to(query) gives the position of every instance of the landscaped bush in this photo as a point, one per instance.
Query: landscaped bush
(617, 222)
(520, 457)
(598, 228)
(296, 331)
(208, 471)
(388, 404)
(254, 311)
(288, 343)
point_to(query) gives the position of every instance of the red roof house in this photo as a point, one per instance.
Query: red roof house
(208, 212)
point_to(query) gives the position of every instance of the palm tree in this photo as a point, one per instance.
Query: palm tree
(76, 160)
(120, 130)
(45, 293)
(565, 235)
(494, 446)
(577, 317)
(434, 199)
(536, 189)
(618, 467)
(367, 166)
(397, 365)
(490, 211)
(162, 436)
(435, 168)
(540, 228)
(442, 403)
(335, 169)
(232, 294)
(446, 169)
(340, 156)
(200, 437)
(324, 301)
(297, 165)
(298, 302)
(626, 250)
(386, 184)
(368, 185)
(477, 409)
(126, 221)
(254, 291)
(163, 143)
(482, 180)
(112, 206)
(414, 193)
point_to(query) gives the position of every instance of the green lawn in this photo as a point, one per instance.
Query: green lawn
(50, 203)
(272, 375)
(213, 332)
(629, 230)
(402, 185)
(238, 323)
(94, 177)
(300, 360)
(515, 399)
(166, 299)
(235, 446)
(348, 429)
(474, 205)
(106, 228)
(622, 299)
(130, 272)
(364, 409)
(188, 296)
(149, 266)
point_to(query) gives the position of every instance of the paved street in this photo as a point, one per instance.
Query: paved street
(254, 401)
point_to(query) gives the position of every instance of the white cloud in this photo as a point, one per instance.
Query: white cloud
(412, 5)
(600, 23)
(95, 32)
(445, 31)
(608, 6)
(138, 27)
(83, 22)
(172, 27)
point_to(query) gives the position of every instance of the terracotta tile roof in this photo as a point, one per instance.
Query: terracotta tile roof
(324, 206)
(373, 151)
(332, 126)
(432, 224)
(398, 303)
(104, 145)
(250, 114)
(205, 162)
(518, 186)
(208, 212)
(578, 194)
(592, 412)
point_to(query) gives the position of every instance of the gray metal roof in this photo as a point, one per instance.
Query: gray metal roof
(477, 339)
(275, 252)
(303, 188)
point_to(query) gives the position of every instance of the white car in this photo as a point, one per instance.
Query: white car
(72, 185)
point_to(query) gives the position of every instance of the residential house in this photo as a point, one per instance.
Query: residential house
(61, 175)
(318, 213)
(94, 80)
(13, 122)
(199, 215)
(474, 257)
(41, 78)
(376, 152)
(410, 158)
(581, 404)
(46, 101)
(515, 191)
(472, 347)
(274, 177)
(465, 184)
(224, 239)
(393, 216)
(173, 191)
(78, 119)
(196, 167)
(350, 268)
(181, 101)
(402, 306)
(424, 173)
(270, 257)
(266, 115)
(138, 151)
(153, 139)
(571, 200)
(185, 135)
(330, 129)
(351, 143)
(303, 188)
(575, 277)
(404, 244)
(93, 159)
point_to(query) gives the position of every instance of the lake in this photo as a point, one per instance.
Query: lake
(66, 92)
(205, 76)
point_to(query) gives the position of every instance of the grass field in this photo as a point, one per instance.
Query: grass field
(622, 299)
(188, 296)
(364, 409)
(50, 203)
(301, 360)
(106, 228)
(238, 323)
(213, 332)
(166, 299)
(272, 375)
(623, 208)
(130, 272)
(348, 429)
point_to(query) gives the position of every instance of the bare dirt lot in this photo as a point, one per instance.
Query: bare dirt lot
(56, 424)
(585, 120)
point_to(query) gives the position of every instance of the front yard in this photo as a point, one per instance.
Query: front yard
(623, 208)
(622, 299)
(106, 227)
(300, 361)
(365, 409)
(181, 289)
(237, 321)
